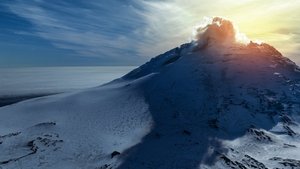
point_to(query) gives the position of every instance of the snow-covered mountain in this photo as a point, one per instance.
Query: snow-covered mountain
(213, 103)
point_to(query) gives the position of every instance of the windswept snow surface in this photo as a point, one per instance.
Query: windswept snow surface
(206, 104)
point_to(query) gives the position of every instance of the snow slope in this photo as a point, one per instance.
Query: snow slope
(211, 103)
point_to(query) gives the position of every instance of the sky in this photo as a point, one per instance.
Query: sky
(130, 32)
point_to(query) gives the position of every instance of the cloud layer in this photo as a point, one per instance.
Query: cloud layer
(131, 31)
(92, 30)
(125, 31)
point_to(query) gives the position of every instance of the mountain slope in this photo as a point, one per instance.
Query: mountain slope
(212, 103)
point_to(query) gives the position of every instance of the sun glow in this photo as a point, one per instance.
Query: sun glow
(272, 21)
(220, 30)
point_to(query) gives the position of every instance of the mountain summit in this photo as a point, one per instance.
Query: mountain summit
(219, 31)
(213, 103)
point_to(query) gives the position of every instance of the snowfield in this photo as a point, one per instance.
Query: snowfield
(212, 103)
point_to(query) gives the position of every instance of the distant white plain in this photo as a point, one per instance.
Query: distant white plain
(43, 80)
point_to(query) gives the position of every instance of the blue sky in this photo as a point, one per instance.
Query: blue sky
(71, 32)
(130, 32)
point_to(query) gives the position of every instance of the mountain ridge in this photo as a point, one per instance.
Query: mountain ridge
(210, 103)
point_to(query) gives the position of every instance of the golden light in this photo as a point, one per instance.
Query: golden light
(275, 22)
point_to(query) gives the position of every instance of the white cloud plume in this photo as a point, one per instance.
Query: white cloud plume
(218, 30)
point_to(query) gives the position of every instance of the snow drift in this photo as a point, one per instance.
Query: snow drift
(192, 107)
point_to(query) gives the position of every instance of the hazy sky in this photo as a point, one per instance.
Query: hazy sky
(129, 32)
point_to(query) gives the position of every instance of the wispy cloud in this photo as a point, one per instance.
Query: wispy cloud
(132, 30)
(112, 29)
